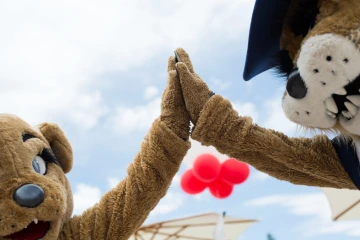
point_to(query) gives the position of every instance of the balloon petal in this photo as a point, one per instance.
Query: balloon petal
(221, 189)
(190, 184)
(234, 171)
(207, 168)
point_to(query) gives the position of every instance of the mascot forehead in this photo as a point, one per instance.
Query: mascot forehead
(12, 123)
(15, 127)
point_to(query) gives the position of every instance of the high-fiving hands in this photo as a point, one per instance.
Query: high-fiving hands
(194, 89)
(173, 110)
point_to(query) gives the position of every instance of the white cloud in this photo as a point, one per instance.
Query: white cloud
(171, 202)
(51, 52)
(219, 83)
(113, 182)
(128, 119)
(176, 179)
(247, 109)
(85, 196)
(87, 110)
(316, 207)
(260, 176)
(150, 92)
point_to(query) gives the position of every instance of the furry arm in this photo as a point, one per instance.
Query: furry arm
(122, 210)
(311, 162)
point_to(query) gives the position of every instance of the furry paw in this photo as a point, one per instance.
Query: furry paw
(195, 90)
(173, 110)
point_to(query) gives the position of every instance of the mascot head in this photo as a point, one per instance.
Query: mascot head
(315, 44)
(35, 195)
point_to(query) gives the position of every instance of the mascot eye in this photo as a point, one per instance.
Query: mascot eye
(39, 165)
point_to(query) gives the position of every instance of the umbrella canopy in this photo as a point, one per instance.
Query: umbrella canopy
(345, 204)
(197, 227)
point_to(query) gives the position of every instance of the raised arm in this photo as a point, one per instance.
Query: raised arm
(304, 161)
(121, 211)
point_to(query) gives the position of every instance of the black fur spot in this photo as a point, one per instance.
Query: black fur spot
(48, 156)
(302, 16)
(282, 63)
(27, 136)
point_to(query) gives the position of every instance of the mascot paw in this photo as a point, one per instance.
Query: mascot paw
(173, 110)
(195, 90)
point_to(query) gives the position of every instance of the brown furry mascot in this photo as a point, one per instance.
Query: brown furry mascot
(35, 196)
(315, 45)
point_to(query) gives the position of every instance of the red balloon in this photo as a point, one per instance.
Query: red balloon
(190, 184)
(221, 189)
(206, 168)
(234, 172)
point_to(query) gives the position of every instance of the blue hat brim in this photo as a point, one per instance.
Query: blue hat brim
(265, 34)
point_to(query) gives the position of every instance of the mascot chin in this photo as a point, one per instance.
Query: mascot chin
(315, 45)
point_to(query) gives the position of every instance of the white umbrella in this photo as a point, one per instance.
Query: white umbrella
(197, 227)
(344, 203)
(219, 233)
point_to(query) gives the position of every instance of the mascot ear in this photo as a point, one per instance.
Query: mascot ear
(59, 144)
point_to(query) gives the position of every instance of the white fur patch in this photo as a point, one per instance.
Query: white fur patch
(336, 73)
(309, 111)
(326, 63)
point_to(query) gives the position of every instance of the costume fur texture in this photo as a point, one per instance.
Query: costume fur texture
(120, 211)
(301, 161)
(320, 47)
(327, 58)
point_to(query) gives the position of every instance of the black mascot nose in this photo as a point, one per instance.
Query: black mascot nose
(295, 86)
(29, 195)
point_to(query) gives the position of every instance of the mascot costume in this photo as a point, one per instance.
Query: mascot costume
(315, 45)
(35, 196)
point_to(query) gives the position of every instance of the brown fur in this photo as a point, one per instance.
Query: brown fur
(336, 17)
(16, 170)
(303, 161)
(311, 162)
(199, 89)
(122, 210)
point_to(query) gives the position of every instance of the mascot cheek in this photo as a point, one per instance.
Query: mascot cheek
(309, 111)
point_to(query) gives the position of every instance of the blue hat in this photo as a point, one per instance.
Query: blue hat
(265, 34)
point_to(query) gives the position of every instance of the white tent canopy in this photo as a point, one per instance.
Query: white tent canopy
(197, 227)
(345, 204)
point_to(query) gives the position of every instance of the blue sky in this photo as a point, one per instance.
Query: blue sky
(98, 69)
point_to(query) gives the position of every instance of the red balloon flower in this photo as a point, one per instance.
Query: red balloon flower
(206, 168)
(234, 171)
(220, 189)
(190, 184)
(207, 171)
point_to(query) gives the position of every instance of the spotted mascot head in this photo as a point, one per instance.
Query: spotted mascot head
(315, 45)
